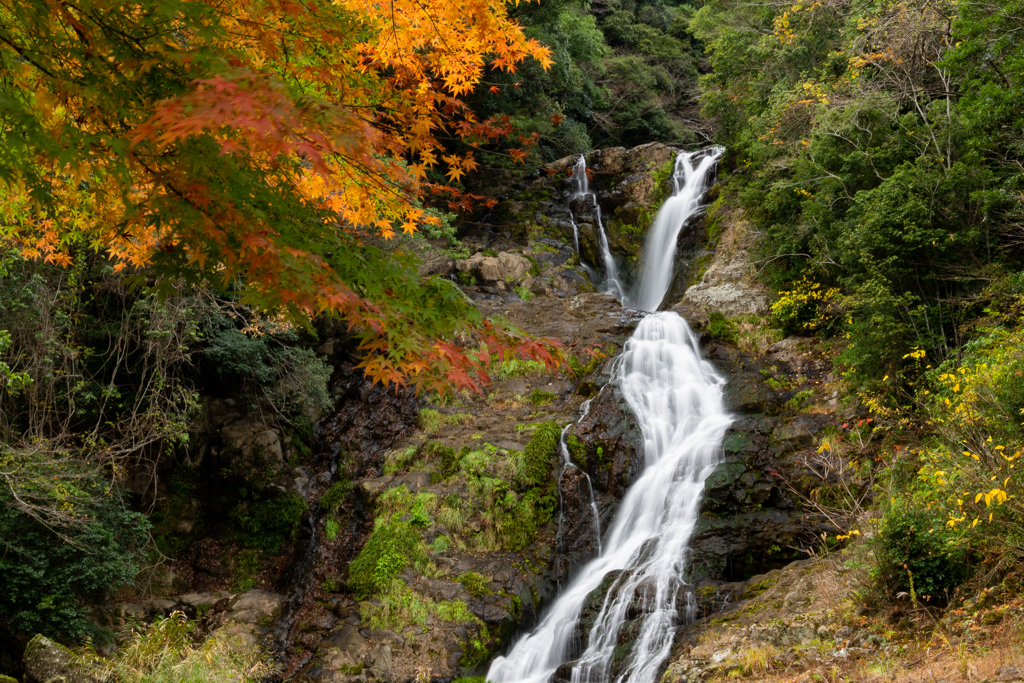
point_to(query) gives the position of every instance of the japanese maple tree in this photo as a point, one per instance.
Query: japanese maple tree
(267, 142)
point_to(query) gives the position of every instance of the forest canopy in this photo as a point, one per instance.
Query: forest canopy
(271, 145)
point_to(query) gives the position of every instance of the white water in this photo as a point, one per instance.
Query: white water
(689, 185)
(677, 399)
(613, 285)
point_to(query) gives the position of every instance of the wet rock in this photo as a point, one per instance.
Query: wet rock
(380, 657)
(344, 650)
(728, 286)
(45, 660)
(367, 420)
(161, 607)
(607, 444)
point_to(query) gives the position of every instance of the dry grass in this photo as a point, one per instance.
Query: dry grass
(168, 651)
(977, 656)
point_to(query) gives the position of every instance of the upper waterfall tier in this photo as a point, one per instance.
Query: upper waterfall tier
(690, 183)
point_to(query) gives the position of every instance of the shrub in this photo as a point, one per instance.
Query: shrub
(449, 460)
(48, 573)
(335, 496)
(269, 523)
(917, 553)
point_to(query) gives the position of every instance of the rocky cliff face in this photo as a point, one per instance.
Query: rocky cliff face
(478, 486)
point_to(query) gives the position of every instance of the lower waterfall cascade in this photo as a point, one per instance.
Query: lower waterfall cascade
(676, 397)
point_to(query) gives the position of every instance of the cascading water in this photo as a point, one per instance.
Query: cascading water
(613, 285)
(689, 186)
(677, 400)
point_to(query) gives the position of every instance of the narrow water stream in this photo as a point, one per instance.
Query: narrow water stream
(677, 400)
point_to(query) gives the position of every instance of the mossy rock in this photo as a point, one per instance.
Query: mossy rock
(45, 660)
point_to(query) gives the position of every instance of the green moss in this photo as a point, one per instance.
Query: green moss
(477, 584)
(478, 650)
(401, 607)
(540, 452)
(331, 528)
(721, 327)
(392, 546)
(798, 401)
(431, 421)
(399, 461)
(581, 369)
(539, 398)
(445, 455)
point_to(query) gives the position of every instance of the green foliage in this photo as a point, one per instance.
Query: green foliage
(391, 547)
(798, 401)
(290, 380)
(477, 584)
(400, 460)
(440, 544)
(916, 551)
(244, 570)
(524, 293)
(268, 523)
(331, 528)
(581, 369)
(449, 460)
(879, 206)
(49, 573)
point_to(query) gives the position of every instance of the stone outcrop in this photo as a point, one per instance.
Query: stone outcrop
(727, 286)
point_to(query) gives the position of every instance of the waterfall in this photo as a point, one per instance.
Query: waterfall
(613, 285)
(689, 185)
(677, 399)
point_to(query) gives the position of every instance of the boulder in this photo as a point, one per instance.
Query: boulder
(255, 445)
(46, 660)
(504, 268)
(131, 610)
(252, 607)
(202, 600)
